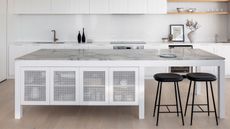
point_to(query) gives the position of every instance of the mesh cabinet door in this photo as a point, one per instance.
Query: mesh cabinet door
(94, 86)
(124, 86)
(64, 86)
(34, 90)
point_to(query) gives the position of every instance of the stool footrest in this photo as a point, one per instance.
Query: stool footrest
(167, 106)
(201, 109)
(170, 112)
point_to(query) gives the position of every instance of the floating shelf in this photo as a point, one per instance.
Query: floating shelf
(198, 0)
(211, 13)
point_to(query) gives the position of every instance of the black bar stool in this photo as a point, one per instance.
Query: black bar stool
(201, 77)
(168, 77)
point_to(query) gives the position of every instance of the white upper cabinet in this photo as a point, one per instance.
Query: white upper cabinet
(137, 6)
(61, 6)
(90, 6)
(70, 6)
(32, 6)
(157, 6)
(80, 6)
(128, 6)
(118, 6)
(99, 6)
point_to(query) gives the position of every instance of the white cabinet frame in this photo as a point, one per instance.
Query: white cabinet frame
(60, 69)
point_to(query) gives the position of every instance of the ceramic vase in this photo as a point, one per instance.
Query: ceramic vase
(192, 36)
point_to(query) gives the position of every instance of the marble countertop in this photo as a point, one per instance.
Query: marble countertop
(104, 43)
(122, 55)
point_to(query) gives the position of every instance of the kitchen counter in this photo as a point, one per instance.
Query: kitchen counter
(99, 77)
(74, 54)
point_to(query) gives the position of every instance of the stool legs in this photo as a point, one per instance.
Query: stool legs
(181, 110)
(207, 98)
(214, 105)
(159, 103)
(186, 106)
(175, 86)
(193, 98)
(156, 98)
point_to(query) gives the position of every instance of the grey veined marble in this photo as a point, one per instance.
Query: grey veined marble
(106, 54)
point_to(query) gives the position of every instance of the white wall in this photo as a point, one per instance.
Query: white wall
(111, 27)
(114, 27)
(3, 40)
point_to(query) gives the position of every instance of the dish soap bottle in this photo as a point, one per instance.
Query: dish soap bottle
(79, 37)
(83, 36)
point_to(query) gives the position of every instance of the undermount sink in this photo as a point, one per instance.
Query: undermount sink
(49, 42)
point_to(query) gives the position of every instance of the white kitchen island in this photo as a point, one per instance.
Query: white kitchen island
(99, 77)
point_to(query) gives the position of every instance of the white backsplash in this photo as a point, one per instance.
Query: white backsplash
(113, 27)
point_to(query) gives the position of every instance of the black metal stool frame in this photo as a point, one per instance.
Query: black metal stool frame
(199, 105)
(158, 100)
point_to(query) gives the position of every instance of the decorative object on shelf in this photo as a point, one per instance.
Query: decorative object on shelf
(191, 10)
(83, 36)
(177, 32)
(179, 10)
(193, 26)
(170, 38)
(79, 37)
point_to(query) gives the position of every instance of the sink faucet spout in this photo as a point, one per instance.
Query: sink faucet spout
(55, 39)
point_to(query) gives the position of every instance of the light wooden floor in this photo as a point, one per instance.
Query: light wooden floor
(105, 117)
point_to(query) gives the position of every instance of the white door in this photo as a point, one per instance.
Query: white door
(64, 86)
(118, 6)
(32, 6)
(157, 6)
(123, 86)
(93, 86)
(137, 6)
(3, 6)
(35, 86)
(99, 6)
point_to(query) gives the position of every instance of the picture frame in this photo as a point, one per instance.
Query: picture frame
(177, 32)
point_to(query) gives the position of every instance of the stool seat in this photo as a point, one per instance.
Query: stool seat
(168, 77)
(201, 77)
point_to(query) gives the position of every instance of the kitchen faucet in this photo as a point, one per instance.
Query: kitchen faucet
(55, 39)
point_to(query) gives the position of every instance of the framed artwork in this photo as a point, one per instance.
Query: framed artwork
(177, 32)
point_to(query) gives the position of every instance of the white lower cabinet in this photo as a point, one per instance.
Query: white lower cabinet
(123, 86)
(64, 86)
(79, 86)
(35, 86)
(223, 50)
(94, 86)
(207, 69)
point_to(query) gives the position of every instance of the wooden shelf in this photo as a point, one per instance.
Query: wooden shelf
(211, 13)
(198, 0)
